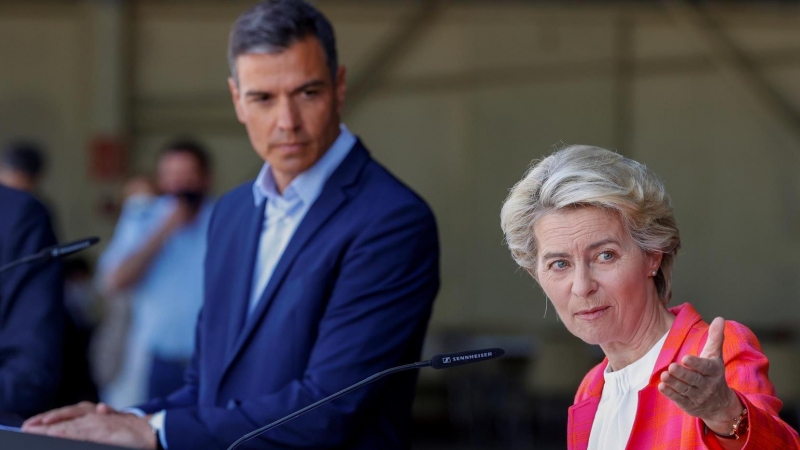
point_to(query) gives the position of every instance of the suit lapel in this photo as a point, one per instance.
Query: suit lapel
(331, 199)
(582, 414)
(685, 319)
(579, 423)
(246, 252)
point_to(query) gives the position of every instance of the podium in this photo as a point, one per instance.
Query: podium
(10, 440)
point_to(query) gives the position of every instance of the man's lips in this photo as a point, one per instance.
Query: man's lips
(290, 146)
(591, 313)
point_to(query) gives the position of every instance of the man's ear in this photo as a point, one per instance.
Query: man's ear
(341, 88)
(237, 104)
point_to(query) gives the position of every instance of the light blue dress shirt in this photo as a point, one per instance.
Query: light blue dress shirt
(167, 299)
(284, 212)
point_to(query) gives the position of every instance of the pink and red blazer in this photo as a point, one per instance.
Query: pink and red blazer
(661, 425)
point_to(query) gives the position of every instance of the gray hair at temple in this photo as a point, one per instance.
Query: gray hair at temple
(272, 26)
(581, 175)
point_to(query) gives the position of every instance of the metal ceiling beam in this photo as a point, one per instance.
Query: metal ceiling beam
(391, 51)
(212, 110)
(734, 63)
(773, 106)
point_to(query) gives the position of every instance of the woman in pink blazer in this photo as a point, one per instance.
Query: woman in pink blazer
(596, 230)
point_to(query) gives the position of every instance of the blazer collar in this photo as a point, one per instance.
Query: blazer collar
(333, 196)
(686, 317)
(581, 414)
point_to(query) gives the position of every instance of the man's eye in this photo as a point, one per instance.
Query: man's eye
(310, 93)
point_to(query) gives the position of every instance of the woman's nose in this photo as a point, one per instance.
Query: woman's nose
(583, 283)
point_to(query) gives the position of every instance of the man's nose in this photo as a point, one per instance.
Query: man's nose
(288, 115)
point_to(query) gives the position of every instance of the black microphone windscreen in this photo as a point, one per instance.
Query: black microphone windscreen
(73, 247)
(448, 360)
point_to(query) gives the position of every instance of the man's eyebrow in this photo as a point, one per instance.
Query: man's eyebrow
(256, 93)
(301, 88)
(310, 84)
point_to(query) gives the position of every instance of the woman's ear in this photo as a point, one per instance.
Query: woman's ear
(654, 261)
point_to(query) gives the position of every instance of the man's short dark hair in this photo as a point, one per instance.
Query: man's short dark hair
(24, 156)
(192, 147)
(274, 25)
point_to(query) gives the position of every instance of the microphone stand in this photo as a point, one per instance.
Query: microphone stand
(444, 361)
(56, 251)
(21, 261)
(377, 376)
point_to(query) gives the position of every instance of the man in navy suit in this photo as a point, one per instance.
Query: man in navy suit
(31, 308)
(320, 273)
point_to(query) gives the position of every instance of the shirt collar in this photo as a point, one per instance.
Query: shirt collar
(308, 185)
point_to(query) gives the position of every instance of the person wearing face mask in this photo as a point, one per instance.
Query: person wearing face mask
(155, 258)
(320, 272)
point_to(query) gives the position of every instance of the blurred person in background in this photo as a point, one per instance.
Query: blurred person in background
(108, 347)
(319, 273)
(596, 230)
(31, 309)
(156, 258)
(22, 164)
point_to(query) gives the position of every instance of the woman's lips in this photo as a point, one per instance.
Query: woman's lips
(592, 314)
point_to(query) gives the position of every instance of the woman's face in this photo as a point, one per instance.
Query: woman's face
(598, 279)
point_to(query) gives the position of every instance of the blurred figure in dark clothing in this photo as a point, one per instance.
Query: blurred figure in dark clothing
(31, 309)
(22, 167)
(22, 164)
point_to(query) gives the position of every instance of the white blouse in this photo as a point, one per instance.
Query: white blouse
(616, 412)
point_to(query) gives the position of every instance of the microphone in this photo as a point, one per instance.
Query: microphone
(444, 361)
(56, 251)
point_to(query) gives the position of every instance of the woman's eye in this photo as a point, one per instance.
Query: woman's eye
(560, 264)
(606, 256)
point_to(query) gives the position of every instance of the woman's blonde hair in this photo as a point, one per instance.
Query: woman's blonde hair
(581, 175)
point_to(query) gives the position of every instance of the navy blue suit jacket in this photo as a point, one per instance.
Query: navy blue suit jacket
(31, 308)
(351, 296)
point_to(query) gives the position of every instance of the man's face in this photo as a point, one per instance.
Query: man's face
(17, 179)
(289, 105)
(181, 172)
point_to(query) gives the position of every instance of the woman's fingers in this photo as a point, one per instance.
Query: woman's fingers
(716, 336)
(673, 395)
(705, 366)
(676, 384)
(685, 374)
